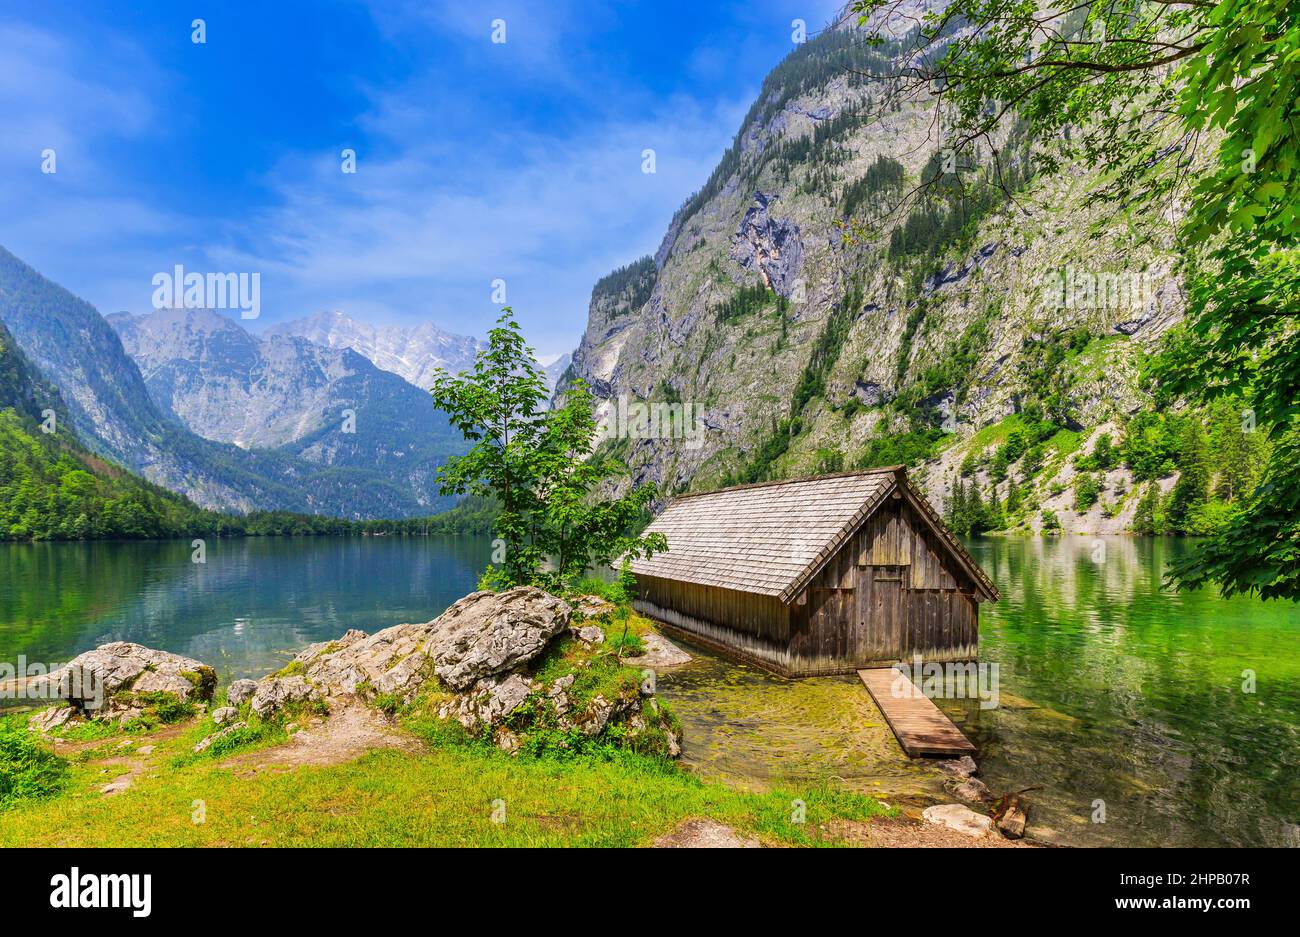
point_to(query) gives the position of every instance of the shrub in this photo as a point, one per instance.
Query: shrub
(1086, 491)
(28, 770)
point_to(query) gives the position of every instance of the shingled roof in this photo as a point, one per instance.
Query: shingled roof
(772, 538)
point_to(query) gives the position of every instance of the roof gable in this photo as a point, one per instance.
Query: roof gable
(773, 538)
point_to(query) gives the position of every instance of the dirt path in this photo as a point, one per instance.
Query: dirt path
(131, 755)
(880, 833)
(351, 730)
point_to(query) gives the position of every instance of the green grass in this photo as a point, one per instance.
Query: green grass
(28, 770)
(444, 797)
(995, 434)
(561, 789)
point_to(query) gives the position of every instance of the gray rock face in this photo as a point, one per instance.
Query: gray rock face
(240, 691)
(206, 743)
(768, 246)
(490, 701)
(415, 353)
(810, 223)
(484, 635)
(590, 634)
(488, 633)
(51, 718)
(91, 680)
(281, 391)
(274, 693)
(480, 649)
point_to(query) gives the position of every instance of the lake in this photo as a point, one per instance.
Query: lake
(1125, 706)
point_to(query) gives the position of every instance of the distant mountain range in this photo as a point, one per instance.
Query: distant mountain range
(171, 398)
(323, 415)
(414, 353)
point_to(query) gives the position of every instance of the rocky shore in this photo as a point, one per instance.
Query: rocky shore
(516, 668)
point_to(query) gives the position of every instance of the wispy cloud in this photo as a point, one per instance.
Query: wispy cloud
(417, 237)
(476, 161)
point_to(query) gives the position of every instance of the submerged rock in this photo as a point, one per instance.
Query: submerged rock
(1012, 823)
(963, 767)
(959, 818)
(973, 790)
(659, 653)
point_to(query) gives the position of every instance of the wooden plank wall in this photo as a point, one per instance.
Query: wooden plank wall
(891, 592)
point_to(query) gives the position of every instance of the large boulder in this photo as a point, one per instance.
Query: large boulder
(488, 633)
(483, 636)
(480, 655)
(274, 693)
(113, 677)
(240, 692)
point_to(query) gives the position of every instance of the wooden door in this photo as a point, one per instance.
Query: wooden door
(881, 624)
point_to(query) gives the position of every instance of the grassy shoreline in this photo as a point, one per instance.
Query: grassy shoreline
(440, 794)
(417, 780)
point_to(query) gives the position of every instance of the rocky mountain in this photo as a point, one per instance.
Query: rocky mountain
(376, 471)
(51, 487)
(817, 318)
(22, 389)
(415, 353)
(554, 370)
(326, 406)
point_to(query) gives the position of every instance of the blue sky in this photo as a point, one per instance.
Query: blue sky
(475, 160)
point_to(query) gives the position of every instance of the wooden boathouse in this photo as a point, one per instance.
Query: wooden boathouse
(821, 575)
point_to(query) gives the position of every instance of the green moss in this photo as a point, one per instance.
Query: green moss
(295, 668)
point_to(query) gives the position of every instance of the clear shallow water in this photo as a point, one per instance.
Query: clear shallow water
(1118, 690)
(1111, 689)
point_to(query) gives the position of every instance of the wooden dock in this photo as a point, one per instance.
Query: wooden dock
(920, 726)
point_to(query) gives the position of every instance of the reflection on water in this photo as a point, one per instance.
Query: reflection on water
(1118, 699)
(244, 612)
(1113, 691)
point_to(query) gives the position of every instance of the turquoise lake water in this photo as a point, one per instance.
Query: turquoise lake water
(1115, 694)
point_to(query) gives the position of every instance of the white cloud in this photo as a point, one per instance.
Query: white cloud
(423, 234)
(450, 194)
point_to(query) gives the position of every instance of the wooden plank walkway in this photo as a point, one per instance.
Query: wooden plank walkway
(921, 726)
